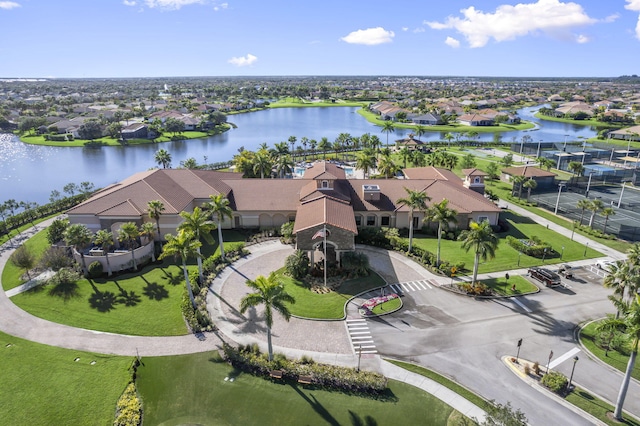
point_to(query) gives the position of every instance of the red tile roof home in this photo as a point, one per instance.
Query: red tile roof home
(527, 171)
(323, 211)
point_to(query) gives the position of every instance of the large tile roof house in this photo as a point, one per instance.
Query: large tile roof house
(322, 198)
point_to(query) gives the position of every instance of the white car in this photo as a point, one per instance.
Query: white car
(604, 264)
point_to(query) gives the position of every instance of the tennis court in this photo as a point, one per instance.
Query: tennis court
(625, 220)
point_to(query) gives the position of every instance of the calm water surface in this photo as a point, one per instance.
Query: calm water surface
(30, 173)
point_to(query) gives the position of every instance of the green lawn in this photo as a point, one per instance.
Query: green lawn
(614, 358)
(506, 256)
(291, 102)
(11, 274)
(196, 393)
(43, 385)
(504, 286)
(597, 408)
(387, 307)
(330, 305)
(145, 303)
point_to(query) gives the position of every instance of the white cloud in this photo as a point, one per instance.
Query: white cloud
(243, 61)
(221, 6)
(509, 22)
(129, 2)
(452, 42)
(369, 37)
(581, 38)
(8, 5)
(171, 4)
(419, 30)
(611, 18)
(633, 5)
(405, 28)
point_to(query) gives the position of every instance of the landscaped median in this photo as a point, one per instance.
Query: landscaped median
(381, 305)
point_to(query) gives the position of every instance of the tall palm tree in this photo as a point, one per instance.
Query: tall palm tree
(387, 128)
(583, 205)
(405, 154)
(482, 240)
(284, 165)
(128, 233)
(271, 293)
(518, 181)
(365, 161)
(154, 210)
(387, 167)
(262, 163)
(198, 224)
(623, 282)
(219, 209)
(375, 143)
(448, 137)
(632, 321)
(530, 184)
(576, 168)
(420, 130)
(78, 236)
(148, 230)
(441, 214)
(594, 206)
(104, 239)
(312, 146)
(304, 141)
(324, 146)
(418, 159)
(185, 246)
(415, 201)
(606, 212)
(292, 141)
(163, 158)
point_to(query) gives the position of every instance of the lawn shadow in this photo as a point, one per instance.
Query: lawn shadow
(128, 298)
(155, 291)
(357, 421)
(171, 278)
(103, 301)
(65, 290)
(317, 406)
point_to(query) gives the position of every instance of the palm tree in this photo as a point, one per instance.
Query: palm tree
(219, 209)
(519, 181)
(415, 200)
(312, 145)
(594, 206)
(443, 216)
(387, 167)
(271, 293)
(262, 163)
(632, 321)
(609, 327)
(387, 128)
(448, 137)
(609, 211)
(284, 165)
(163, 158)
(184, 245)
(324, 146)
(530, 184)
(484, 242)
(583, 205)
(375, 143)
(78, 236)
(545, 162)
(292, 141)
(449, 160)
(154, 210)
(198, 224)
(576, 168)
(365, 162)
(304, 141)
(405, 154)
(104, 239)
(420, 130)
(128, 233)
(148, 230)
(622, 280)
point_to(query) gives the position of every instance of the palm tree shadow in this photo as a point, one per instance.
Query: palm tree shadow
(317, 406)
(357, 421)
(103, 301)
(64, 290)
(171, 278)
(250, 323)
(223, 300)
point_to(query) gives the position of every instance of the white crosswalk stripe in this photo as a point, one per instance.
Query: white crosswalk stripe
(360, 335)
(411, 286)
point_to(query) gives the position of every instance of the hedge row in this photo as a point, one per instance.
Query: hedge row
(129, 406)
(534, 247)
(250, 360)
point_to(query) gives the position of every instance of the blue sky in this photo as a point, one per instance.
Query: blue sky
(154, 38)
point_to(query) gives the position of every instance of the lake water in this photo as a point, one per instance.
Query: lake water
(30, 173)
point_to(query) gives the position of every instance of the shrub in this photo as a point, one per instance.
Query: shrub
(297, 265)
(23, 258)
(356, 264)
(55, 258)
(527, 369)
(477, 289)
(286, 230)
(536, 368)
(64, 276)
(555, 381)
(56, 230)
(128, 408)
(376, 237)
(533, 247)
(95, 269)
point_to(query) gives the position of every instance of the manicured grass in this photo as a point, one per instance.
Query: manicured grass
(11, 273)
(196, 393)
(290, 102)
(614, 358)
(597, 408)
(329, 305)
(5, 238)
(388, 306)
(146, 303)
(506, 256)
(43, 385)
(504, 286)
(455, 127)
(109, 141)
(449, 384)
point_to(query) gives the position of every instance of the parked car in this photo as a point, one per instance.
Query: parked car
(549, 278)
(566, 271)
(604, 264)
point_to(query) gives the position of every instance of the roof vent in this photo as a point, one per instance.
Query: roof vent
(371, 192)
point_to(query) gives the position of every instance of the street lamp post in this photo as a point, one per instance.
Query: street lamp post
(562, 253)
(519, 254)
(544, 254)
(558, 200)
(621, 192)
(575, 361)
(573, 229)
(586, 194)
(518, 354)
(585, 249)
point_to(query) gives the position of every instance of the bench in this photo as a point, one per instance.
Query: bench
(276, 374)
(305, 380)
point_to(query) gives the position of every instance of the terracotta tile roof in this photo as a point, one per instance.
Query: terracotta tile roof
(474, 172)
(325, 210)
(527, 171)
(266, 194)
(339, 191)
(431, 173)
(324, 170)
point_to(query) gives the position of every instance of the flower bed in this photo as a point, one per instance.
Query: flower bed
(366, 309)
